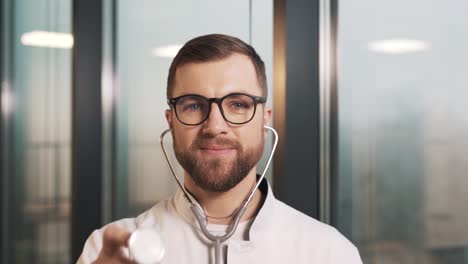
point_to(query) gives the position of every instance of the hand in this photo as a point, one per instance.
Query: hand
(114, 239)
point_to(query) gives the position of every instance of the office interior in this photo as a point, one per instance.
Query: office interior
(368, 97)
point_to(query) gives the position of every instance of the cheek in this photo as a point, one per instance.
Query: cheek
(253, 135)
(183, 138)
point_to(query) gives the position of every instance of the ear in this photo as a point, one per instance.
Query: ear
(266, 116)
(168, 114)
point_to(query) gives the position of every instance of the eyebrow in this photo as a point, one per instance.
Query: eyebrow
(231, 92)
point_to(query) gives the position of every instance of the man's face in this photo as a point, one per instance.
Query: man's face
(217, 154)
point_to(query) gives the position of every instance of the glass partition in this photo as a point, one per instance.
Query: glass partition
(403, 126)
(36, 110)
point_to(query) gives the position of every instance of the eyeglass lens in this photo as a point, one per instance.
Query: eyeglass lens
(236, 108)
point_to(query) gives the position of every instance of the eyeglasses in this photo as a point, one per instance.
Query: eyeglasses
(236, 108)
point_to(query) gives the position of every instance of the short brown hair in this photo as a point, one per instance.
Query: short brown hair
(215, 47)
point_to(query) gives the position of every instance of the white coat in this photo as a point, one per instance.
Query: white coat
(279, 234)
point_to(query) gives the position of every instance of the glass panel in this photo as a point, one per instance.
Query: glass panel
(401, 193)
(39, 149)
(147, 34)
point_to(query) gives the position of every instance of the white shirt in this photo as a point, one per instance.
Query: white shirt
(279, 234)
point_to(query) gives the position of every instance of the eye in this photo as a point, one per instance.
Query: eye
(238, 105)
(191, 107)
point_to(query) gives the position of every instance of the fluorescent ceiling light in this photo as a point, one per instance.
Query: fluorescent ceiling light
(398, 46)
(47, 39)
(169, 51)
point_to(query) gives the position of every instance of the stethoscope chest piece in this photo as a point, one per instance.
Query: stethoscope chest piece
(146, 246)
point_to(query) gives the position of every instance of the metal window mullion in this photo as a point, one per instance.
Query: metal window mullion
(87, 178)
(328, 104)
(302, 128)
(108, 91)
(6, 75)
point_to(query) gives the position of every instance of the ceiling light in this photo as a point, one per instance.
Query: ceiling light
(47, 39)
(398, 46)
(6, 99)
(169, 51)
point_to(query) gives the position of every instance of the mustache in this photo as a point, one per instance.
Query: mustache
(202, 142)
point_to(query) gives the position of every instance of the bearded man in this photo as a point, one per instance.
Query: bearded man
(216, 92)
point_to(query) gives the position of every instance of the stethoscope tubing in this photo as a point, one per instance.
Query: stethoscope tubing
(198, 211)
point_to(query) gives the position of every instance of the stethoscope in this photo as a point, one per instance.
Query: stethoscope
(199, 212)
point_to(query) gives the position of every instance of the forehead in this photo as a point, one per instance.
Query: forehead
(235, 73)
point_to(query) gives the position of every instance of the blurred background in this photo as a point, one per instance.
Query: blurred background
(368, 99)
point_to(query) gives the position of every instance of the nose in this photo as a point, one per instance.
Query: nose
(215, 123)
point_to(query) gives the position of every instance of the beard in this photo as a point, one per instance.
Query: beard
(217, 174)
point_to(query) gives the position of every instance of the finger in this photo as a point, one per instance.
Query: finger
(119, 258)
(114, 238)
(124, 259)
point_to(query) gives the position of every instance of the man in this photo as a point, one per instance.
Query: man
(217, 92)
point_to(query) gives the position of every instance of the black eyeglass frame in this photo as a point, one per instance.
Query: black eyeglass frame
(256, 99)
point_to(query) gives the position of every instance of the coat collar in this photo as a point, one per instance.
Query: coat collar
(260, 224)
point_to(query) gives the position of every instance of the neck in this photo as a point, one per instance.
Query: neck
(221, 207)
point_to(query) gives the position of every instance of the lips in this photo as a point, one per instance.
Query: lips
(216, 150)
(216, 147)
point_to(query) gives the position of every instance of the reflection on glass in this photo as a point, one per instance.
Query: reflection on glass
(47, 39)
(40, 121)
(168, 51)
(401, 187)
(398, 46)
